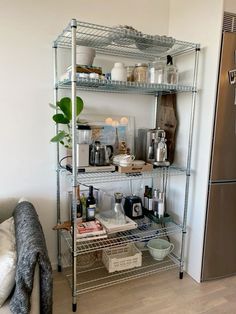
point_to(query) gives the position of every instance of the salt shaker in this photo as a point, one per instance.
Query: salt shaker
(118, 72)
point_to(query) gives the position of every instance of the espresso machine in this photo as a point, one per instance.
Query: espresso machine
(156, 148)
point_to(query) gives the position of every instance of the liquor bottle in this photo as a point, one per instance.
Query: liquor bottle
(146, 197)
(150, 199)
(79, 208)
(90, 205)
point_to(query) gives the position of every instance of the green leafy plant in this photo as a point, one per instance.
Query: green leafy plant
(64, 117)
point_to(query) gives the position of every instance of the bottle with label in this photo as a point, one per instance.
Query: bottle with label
(155, 202)
(150, 199)
(146, 197)
(161, 204)
(79, 208)
(90, 205)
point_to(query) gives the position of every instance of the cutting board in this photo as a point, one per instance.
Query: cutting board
(167, 120)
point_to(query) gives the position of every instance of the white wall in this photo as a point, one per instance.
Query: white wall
(230, 6)
(200, 22)
(27, 31)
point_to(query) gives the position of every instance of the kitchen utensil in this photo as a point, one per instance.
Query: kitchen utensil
(133, 206)
(100, 154)
(159, 248)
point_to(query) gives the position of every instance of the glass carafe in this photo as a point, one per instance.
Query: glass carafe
(118, 210)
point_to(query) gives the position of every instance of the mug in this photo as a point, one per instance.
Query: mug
(123, 160)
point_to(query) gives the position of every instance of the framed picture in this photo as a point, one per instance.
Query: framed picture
(117, 131)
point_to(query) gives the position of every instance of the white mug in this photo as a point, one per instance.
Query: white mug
(123, 160)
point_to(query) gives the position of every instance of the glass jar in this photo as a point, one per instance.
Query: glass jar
(171, 72)
(141, 73)
(130, 73)
(156, 72)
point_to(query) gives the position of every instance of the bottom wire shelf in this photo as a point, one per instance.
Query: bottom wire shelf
(97, 276)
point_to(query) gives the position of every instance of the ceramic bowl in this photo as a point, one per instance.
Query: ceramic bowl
(159, 248)
(85, 55)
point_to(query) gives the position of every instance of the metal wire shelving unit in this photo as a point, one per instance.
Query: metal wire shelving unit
(97, 277)
(126, 43)
(146, 230)
(87, 178)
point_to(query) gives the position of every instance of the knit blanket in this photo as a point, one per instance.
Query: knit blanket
(31, 249)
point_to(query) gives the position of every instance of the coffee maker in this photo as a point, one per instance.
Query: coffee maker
(156, 148)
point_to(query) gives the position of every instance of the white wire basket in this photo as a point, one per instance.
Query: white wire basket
(121, 258)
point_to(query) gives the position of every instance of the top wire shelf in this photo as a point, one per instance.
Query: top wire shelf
(123, 41)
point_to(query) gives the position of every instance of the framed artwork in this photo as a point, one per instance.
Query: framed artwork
(117, 131)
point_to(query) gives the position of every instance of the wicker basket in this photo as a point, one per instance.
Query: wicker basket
(122, 257)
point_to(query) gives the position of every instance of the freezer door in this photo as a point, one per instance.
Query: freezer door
(219, 255)
(224, 142)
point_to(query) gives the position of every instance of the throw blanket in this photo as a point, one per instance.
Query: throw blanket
(31, 249)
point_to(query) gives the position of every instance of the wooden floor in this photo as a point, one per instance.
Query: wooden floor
(159, 293)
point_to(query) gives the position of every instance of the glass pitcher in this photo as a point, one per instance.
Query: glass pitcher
(118, 210)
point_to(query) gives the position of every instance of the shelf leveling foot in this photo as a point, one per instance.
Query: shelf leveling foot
(74, 307)
(181, 275)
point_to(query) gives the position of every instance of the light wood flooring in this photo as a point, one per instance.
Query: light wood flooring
(157, 294)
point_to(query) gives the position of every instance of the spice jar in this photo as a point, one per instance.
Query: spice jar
(141, 73)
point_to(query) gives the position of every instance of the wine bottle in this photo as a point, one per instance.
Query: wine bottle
(90, 205)
(79, 208)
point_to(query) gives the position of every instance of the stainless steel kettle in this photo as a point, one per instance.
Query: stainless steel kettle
(100, 154)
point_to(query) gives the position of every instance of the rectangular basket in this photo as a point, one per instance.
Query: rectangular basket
(121, 258)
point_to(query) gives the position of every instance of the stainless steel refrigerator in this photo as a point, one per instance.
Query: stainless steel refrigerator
(219, 255)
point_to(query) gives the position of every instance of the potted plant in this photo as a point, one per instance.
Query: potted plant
(64, 117)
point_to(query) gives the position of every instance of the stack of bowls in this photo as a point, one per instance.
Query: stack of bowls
(85, 55)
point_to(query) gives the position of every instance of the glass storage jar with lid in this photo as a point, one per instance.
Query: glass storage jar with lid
(141, 73)
(156, 71)
(171, 72)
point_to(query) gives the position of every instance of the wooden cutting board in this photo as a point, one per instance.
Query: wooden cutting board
(167, 120)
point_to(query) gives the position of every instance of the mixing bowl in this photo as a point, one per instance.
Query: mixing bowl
(159, 248)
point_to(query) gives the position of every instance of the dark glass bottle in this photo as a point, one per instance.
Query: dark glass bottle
(90, 205)
(79, 207)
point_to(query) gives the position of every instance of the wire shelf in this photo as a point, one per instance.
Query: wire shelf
(146, 230)
(123, 41)
(97, 85)
(97, 277)
(105, 177)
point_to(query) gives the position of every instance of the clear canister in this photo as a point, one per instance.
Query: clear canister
(141, 73)
(130, 73)
(83, 134)
(156, 72)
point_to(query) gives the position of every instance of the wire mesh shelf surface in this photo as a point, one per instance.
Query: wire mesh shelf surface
(146, 230)
(99, 85)
(106, 177)
(123, 41)
(97, 276)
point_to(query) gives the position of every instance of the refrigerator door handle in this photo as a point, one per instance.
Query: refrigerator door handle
(232, 76)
